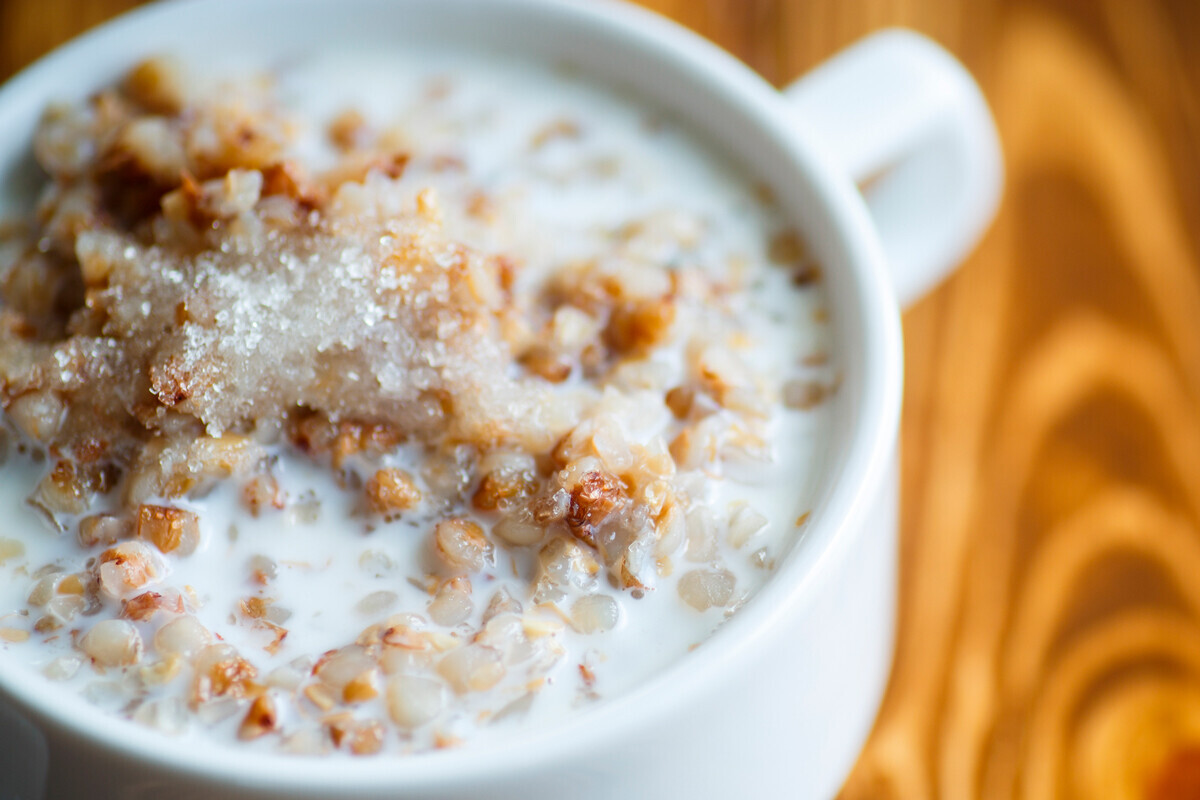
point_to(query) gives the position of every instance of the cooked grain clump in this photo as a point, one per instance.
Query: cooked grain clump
(187, 294)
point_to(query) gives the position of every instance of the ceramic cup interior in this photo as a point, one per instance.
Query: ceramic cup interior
(668, 68)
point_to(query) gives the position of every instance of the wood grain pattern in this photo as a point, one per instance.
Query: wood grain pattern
(1050, 588)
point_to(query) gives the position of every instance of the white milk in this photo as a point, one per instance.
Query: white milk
(626, 163)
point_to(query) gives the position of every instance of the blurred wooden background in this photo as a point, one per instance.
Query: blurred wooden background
(1050, 610)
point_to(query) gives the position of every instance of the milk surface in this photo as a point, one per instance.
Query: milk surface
(613, 161)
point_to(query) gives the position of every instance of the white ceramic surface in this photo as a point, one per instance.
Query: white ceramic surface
(779, 701)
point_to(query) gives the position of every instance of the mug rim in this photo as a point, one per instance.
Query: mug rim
(867, 451)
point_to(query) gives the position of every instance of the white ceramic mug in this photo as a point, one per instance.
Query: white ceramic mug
(778, 702)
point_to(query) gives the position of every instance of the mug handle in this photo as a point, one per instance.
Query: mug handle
(909, 125)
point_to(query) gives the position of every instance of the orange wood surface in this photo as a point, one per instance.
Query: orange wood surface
(1050, 581)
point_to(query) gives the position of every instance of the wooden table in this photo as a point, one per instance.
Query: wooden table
(1050, 587)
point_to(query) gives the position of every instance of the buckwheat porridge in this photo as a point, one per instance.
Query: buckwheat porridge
(390, 401)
